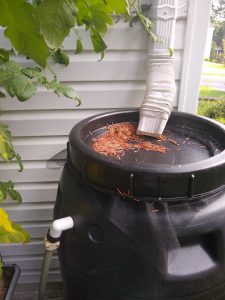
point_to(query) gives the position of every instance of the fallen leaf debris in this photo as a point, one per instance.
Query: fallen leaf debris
(121, 137)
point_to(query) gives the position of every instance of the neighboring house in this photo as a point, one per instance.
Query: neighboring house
(219, 50)
(41, 126)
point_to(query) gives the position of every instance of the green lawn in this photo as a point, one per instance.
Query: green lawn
(213, 69)
(208, 93)
(212, 109)
(207, 107)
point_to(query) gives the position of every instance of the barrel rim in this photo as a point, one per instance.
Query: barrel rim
(214, 167)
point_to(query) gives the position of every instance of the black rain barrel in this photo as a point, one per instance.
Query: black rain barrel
(166, 239)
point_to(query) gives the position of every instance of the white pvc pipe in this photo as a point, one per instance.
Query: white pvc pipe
(55, 231)
(160, 90)
(58, 226)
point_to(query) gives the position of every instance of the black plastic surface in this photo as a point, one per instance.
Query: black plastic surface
(195, 167)
(191, 147)
(150, 245)
(127, 250)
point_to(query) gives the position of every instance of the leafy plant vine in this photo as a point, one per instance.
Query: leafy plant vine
(36, 30)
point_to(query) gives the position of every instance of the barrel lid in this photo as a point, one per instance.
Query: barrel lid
(193, 165)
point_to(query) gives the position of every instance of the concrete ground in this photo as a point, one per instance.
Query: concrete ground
(214, 82)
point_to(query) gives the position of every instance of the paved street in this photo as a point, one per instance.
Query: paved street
(214, 82)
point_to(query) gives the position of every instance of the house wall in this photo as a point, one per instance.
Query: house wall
(41, 126)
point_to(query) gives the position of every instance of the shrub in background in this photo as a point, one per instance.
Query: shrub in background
(213, 51)
(214, 109)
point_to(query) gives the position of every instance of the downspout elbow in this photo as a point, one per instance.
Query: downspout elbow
(160, 90)
(159, 97)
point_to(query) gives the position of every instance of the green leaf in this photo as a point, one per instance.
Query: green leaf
(36, 2)
(3, 149)
(171, 51)
(69, 92)
(42, 80)
(5, 132)
(6, 147)
(2, 95)
(3, 16)
(3, 191)
(32, 72)
(65, 90)
(117, 6)
(23, 87)
(57, 17)
(79, 46)
(10, 150)
(7, 151)
(22, 235)
(19, 161)
(4, 55)
(100, 18)
(6, 75)
(148, 24)
(61, 57)
(7, 189)
(22, 28)
(5, 142)
(98, 43)
(13, 66)
(10, 90)
(83, 13)
(11, 232)
(1, 196)
(94, 14)
(15, 195)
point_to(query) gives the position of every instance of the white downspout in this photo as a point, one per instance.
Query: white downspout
(160, 90)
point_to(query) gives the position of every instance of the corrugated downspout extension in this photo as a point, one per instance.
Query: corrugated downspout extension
(160, 90)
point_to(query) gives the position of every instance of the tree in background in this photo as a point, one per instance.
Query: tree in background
(218, 19)
(223, 45)
(213, 52)
(218, 10)
(219, 33)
